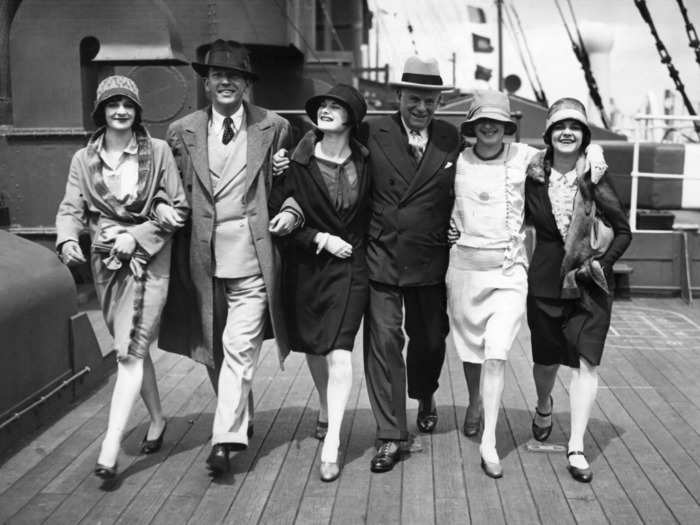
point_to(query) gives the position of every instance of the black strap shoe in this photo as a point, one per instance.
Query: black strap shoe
(105, 472)
(427, 418)
(584, 475)
(218, 461)
(388, 454)
(150, 446)
(542, 433)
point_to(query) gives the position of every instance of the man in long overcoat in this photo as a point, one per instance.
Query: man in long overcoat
(412, 167)
(224, 288)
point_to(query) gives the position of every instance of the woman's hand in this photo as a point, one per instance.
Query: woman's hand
(280, 162)
(71, 254)
(453, 233)
(333, 245)
(283, 223)
(167, 215)
(124, 246)
(595, 161)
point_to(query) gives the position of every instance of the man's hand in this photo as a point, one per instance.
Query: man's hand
(124, 246)
(71, 254)
(167, 215)
(453, 233)
(283, 223)
(280, 162)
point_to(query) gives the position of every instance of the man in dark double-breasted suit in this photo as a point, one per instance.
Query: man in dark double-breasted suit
(412, 167)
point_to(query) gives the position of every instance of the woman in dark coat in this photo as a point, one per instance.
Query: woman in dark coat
(325, 279)
(569, 305)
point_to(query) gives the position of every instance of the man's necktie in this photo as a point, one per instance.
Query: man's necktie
(228, 130)
(415, 141)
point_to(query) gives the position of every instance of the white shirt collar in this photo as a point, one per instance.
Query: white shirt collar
(569, 177)
(423, 132)
(217, 120)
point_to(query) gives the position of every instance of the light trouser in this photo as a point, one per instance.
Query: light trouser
(246, 299)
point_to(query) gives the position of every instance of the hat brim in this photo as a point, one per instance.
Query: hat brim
(425, 87)
(467, 127)
(116, 92)
(314, 102)
(203, 70)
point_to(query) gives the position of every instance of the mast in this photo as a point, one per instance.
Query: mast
(499, 10)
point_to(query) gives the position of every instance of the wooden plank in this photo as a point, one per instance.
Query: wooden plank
(183, 446)
(87, 490)
(482, 498)
(318, 498)
(43, 506)
(259, 480)
(220, 494)
(537, 472)
(450, 500)
(352, 497)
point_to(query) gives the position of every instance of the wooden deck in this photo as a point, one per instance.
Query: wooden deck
(643, 442)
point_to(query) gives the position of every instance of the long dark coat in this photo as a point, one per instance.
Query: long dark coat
(195, 313)
(407, 243)
(323, 294)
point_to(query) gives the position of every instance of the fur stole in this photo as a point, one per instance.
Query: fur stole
(580, 262)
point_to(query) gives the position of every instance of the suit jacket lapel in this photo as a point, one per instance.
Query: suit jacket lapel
(260, 134)
(394, 145)
(433, 159)
(195, 137)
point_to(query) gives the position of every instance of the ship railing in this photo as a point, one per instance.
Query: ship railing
(636, 174)
(682, 229)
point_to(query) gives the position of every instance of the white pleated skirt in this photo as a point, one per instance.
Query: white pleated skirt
(485, 303)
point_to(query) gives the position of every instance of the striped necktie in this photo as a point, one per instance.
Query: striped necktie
(228, 131)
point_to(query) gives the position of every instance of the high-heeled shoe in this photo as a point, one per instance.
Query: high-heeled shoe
(105, 472)
(491, 469)
(151, 446)
(584, 475)
(329, 471)
(542, 433)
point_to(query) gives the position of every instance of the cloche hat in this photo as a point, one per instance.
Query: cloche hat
(348, 96)
(564, 109)
(492, 105)
(226, 54)
(421, 73)
(115, 85)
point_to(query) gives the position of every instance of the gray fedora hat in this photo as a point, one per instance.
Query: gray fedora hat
(421, 73)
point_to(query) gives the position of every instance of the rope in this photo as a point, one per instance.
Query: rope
(690, 31)
(666, 59)
(511, 31)
(539, 90)
(330, 24)
(582, 56)
(309, 48)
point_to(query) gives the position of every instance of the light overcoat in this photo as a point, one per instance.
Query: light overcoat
(195, 313)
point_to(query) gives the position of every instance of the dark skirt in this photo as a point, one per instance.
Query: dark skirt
(325, 302)
(562, 330)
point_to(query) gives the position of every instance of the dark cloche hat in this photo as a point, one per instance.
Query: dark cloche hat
(348, 96)
(226, 54)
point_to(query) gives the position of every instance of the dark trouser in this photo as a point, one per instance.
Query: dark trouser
(426, 325)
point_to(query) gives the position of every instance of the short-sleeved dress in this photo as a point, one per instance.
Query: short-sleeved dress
(487, 273)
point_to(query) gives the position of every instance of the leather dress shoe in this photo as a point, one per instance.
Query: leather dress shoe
(584, 475)
(492, 470)
(471, 426)
(321, 430)
(105, 472)
(427, 418)
(542, 433)
(329, 471)
(218, 459)
(150, 446)
(388, 454)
